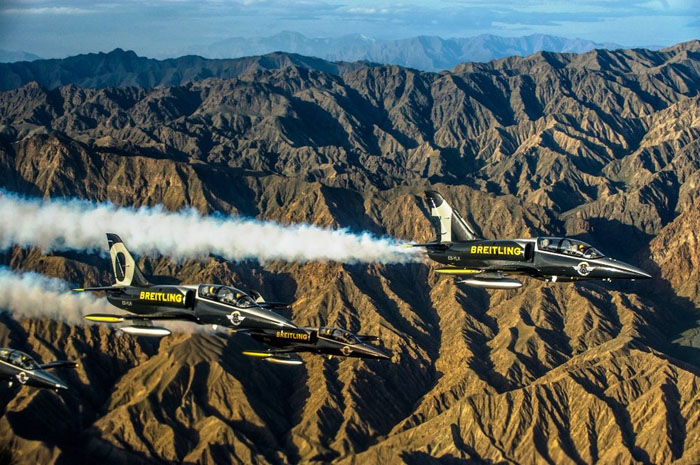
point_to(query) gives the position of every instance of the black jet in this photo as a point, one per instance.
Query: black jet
(18, 366)
(204, 304)
(485, 263)
(285, 343)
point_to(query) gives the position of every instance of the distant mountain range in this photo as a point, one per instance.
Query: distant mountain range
(11, 56)
(120, 68)
(429, 53)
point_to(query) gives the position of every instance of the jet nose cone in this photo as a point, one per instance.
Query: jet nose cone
(373, 352)
(641, 274)
(50, 381)
(621, 270)
(632, 272)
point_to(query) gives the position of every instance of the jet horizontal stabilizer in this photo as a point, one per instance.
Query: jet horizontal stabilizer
(366, 337)
(98, 288)
(429, 245)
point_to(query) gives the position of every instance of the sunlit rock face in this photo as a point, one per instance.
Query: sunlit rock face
(601, 146)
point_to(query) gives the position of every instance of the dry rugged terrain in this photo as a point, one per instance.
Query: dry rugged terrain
(602, 146)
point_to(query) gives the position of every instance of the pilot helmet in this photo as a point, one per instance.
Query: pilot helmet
(226, 295)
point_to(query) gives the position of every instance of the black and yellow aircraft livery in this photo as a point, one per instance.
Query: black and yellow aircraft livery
(320, 340)
(20, 367)
(206, 304)
(486, 262)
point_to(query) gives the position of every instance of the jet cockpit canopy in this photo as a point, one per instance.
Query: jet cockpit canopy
(226, 295)
(340, 335)
(568, 246)
(17, 358)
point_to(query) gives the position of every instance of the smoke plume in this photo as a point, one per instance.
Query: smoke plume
(55, 225)
(32, 295)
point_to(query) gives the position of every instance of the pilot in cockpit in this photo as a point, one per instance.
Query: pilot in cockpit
(27, 362)
(244, 301)
(226, 295)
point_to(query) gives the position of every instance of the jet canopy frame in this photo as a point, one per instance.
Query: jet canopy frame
(568, 246)
(339, 335)
(226, 295)
(18, 358)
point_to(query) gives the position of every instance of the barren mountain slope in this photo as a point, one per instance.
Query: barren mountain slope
(602, 147)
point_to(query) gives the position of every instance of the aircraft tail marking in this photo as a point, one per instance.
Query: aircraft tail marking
(126, 272)
(451, 226)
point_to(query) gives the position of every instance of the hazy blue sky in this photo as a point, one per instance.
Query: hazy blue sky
(170, 27)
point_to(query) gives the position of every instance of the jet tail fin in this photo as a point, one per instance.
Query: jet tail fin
(451, 226)
(126, 272)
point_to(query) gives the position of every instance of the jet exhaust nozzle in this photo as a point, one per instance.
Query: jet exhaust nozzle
(504, 283)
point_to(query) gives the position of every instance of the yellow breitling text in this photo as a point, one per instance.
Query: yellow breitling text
(495, 250)
(291, 335)
(161, 297)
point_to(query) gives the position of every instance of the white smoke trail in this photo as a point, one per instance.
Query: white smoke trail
(55, 225)
(33, 295)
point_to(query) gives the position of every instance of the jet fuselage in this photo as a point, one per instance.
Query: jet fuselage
(320, 340)
(18, 366)
(555, 258)
(203, 304)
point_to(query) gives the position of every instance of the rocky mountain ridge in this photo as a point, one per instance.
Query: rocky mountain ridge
(601, 146)
(120, 68)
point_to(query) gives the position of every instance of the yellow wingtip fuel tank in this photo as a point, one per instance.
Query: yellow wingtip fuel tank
(456, 271)
(96, 317)
(257, 354)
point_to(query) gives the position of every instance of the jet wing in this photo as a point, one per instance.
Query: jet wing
(278, 356)
(58, 364)
(113, 318)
